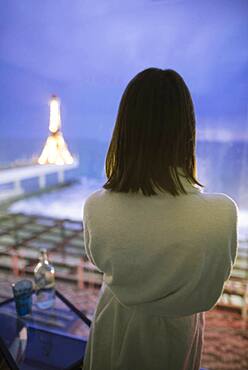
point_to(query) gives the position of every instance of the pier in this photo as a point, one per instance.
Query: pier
(15, 176)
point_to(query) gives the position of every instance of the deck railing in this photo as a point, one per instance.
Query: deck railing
(22, 236)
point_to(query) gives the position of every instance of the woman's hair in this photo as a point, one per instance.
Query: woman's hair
(154, 136)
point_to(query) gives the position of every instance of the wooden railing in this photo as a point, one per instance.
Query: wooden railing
(22, 236)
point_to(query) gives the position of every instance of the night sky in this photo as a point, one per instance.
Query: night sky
(86, 51)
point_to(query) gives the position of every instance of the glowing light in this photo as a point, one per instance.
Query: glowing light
(55, 121)
(55, 150)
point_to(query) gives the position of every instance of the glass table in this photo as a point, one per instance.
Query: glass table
(51, 339)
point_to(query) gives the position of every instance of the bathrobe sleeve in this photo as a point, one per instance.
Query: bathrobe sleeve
(185, 281)
(204, 289)
(87, 238)
(233, 247)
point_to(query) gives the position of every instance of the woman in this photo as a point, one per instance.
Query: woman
(165, 247)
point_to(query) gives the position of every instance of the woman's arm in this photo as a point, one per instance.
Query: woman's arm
(234, 239)
(87, 237)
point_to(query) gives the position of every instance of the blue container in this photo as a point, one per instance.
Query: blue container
(22, 291)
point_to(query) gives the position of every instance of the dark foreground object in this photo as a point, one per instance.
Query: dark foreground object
(49, 339)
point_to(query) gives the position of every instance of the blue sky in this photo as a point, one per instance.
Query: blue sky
(86, 52)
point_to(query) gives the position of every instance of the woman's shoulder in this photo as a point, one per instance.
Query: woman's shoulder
(95, 197)
(220, 200)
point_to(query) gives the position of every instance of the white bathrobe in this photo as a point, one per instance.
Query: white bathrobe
(165, 260)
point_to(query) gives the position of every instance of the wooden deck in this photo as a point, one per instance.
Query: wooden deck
(22, 237)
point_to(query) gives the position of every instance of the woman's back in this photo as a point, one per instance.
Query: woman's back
(177, 248)
(164, 260)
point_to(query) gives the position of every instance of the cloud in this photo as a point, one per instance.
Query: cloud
(70, 40)
(223, 130)
(93, 49)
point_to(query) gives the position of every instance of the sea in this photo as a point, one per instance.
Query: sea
(222, 168)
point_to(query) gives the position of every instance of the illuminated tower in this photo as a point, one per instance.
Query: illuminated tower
(55, 150)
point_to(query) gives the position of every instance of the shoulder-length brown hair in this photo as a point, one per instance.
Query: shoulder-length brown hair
(154, 135)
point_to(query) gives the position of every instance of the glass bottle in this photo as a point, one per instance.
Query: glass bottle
(44, 277)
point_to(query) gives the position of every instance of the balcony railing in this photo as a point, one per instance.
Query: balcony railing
(22, 236)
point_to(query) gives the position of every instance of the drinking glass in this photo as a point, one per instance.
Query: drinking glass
(22, 291)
